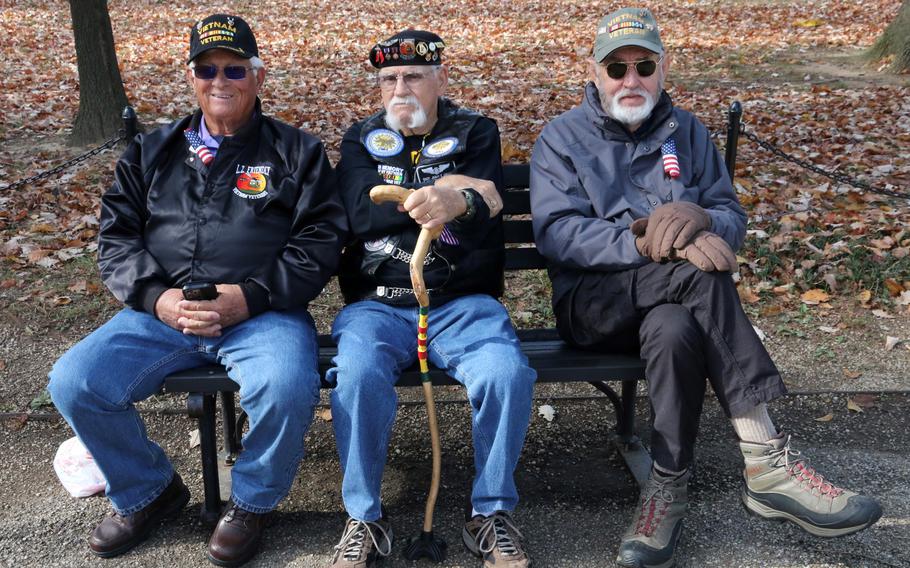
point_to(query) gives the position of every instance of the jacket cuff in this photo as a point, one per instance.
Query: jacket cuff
(257, 298)
(148, 296)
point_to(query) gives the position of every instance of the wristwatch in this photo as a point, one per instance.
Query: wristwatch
(471, 209)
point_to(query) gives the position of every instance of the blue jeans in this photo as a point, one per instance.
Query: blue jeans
(472, 339)
(271, 356)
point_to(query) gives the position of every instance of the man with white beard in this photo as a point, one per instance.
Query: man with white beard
(636, 213)
(450, 157)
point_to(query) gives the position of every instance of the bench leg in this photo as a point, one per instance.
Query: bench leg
(231, 439)
(626, 440)
(202, 407)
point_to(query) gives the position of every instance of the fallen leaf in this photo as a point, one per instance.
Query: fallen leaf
(8, 283)
(62, 300)
(826, 418)
(864, 297)
(194, 438)
(828, 329)
(865, 400)
(852, 406)
(747, 296)
(894, 287)
(891, 342)
(814, 297)
(852, 374)
(38, 254)
(882, 314)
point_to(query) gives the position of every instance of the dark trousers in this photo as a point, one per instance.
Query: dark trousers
(687, 325)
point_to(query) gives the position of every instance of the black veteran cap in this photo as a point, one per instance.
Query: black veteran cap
(410, 47)
(220, 31)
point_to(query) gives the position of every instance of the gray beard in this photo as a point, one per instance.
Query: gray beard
(417, 120)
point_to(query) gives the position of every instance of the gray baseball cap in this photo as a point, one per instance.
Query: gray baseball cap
(625, 27)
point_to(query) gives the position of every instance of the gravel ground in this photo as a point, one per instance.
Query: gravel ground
(576, 494)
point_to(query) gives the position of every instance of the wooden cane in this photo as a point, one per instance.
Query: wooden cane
(426, 544)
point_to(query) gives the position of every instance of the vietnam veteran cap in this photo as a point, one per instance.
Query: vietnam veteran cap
(220, 31)
(410, 47)
(627, 27)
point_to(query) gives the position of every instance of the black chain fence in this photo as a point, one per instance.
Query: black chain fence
(65, 165)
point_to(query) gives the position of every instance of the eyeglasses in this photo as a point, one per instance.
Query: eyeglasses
(644, 68)
(209, 72)
(410, 79)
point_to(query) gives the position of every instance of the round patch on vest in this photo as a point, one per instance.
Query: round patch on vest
(441, 147)
(383, 143)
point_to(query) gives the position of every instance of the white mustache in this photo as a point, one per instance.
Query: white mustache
(408, 100)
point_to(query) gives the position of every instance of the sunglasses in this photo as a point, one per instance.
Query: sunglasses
(209, 72)
(410, 79)
(644, 68)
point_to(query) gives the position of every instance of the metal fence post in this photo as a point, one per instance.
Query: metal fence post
(129, 123)
(734, 115)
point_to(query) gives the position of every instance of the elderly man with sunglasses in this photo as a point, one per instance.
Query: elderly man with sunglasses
(450, 157)
(243, 210)
(637, 215)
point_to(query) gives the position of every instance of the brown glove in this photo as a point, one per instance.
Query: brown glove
(673, 225)
(709, 252)
(639, 227)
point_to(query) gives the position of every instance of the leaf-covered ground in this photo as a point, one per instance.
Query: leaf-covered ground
(794, 65)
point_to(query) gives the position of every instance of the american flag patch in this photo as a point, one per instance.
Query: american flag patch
(198, 147)
(448, 237)
(671, 161)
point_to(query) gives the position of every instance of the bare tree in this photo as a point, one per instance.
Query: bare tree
(101, 94)
(895, 40)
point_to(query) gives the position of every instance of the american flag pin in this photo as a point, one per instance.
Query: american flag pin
(671, 161)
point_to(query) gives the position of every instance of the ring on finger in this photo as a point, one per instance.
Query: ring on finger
(428, 216)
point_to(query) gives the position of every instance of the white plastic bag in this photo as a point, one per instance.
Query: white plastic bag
(77, 470)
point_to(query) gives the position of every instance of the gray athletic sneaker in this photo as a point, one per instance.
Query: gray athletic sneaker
(362, 544)
(650, 541)
(780, 484)
(497, 540)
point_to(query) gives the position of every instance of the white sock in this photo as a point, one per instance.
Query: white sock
(755, 425)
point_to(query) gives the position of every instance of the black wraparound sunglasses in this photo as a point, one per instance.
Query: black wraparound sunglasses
(644, 68)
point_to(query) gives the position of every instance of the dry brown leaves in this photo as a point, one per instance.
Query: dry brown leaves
(521, 63)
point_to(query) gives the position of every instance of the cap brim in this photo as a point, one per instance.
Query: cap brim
(236, 50)
(602, 52)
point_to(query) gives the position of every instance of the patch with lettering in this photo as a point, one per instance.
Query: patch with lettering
(441, 147)
(391, 174)
(433, 171)
(383, 143)
(252, 181)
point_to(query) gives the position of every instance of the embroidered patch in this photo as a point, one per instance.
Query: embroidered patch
(391, 174)
(252, 181)
(441, 147)
(383, 143)
(433, 171)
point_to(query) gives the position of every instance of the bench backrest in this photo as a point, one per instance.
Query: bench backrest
(521, 253)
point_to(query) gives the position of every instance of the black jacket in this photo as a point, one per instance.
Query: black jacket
(264, 215)
(375, 263)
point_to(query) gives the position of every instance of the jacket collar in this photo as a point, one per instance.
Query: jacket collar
(595, 113)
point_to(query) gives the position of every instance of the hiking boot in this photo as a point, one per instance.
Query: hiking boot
(497, 540)
(117, 534)
(363, 544)
(780, 484)
(650, 541)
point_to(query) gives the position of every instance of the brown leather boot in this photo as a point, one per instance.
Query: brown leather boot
(236, 537)
(117, 534)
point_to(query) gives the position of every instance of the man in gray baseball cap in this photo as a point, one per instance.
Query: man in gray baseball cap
(634, 210)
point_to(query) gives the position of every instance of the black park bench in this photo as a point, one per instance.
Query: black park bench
(553, 359)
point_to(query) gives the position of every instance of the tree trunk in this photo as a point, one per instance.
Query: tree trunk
(895, 40)
(101, 94)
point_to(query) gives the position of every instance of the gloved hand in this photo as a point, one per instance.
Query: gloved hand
(672, 226)
(708, 252)
(639, 228)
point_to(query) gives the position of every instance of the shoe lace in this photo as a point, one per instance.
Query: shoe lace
(498, 531)
(656, 498)
(353, 541)
(235, 513)
(798, 467)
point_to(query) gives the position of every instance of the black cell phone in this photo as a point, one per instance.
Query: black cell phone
(199, 291)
